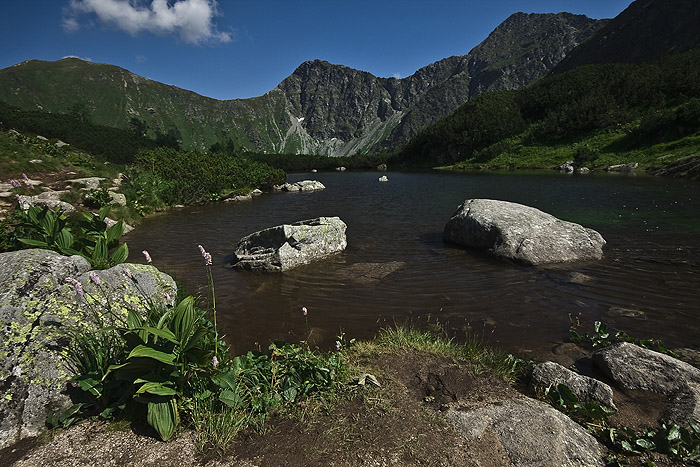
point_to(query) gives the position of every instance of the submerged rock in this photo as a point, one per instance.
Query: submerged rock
(521, 233)
(35, 303)
(287, 246)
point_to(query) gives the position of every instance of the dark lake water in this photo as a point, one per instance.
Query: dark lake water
(648, 284)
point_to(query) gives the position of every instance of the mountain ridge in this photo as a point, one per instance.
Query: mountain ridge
(320, 108)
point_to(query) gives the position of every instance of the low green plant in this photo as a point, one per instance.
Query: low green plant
(588, 413)
(98, 198)
(46, 228)
(90, 237)
(679, 442)
(602, 337)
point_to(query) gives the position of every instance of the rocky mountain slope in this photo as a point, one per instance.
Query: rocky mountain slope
(645, 31)
(320, 109)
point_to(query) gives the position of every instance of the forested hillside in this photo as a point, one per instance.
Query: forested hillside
(610, 108)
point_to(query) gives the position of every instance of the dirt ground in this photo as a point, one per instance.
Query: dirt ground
(399, 423)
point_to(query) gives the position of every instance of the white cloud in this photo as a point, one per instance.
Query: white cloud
(85, 59)
(191, 20)
(397, 75)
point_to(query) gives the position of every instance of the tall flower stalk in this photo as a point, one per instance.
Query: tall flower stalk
(210, 282)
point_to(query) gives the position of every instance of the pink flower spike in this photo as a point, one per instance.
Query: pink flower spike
(15, 184)
(304, 311)
(94, 278)
(147, 256)
(77, 285)
(24, 176)
(215, 361)
(127, 273)
(337, 345)
(205, 255)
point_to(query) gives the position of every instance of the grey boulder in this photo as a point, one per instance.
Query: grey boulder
(637, 368)
(530, 433)
(304, 185)
(287, 246)
(521, 233)
(550, 375)
(35, 303)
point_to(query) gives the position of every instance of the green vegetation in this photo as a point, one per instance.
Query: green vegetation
(165, 177)
(86, 235)
(602, 337)
(677, 442)
(598, 114)
(114, 144)
(405, 337)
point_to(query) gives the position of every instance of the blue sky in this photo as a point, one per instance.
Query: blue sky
(230, 49)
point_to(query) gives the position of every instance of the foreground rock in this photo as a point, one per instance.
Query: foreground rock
(550, 375)
(530, 432)
(634, 367)
(521, 233)
(287, 246)
(35, 302)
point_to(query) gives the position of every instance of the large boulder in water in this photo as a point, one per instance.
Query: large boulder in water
(35, 304)
(287, 246)
(521, 233)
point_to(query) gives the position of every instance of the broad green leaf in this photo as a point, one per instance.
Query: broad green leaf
(226, 380)
(104, 211)
(32, 242)
(64, 239)
(157, 389)
(230, 398)
(164, 333)
(184, 319)
(115, 232)
(100, 251)
(163, 417)
(120, 254)
(195, 339)
(89, 383)
(149, 352)
(645, 444)
(134, 320)
(674, 433)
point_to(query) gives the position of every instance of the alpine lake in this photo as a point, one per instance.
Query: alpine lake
(397, 269)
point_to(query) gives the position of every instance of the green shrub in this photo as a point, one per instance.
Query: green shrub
(165, 176)
(89, 236)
